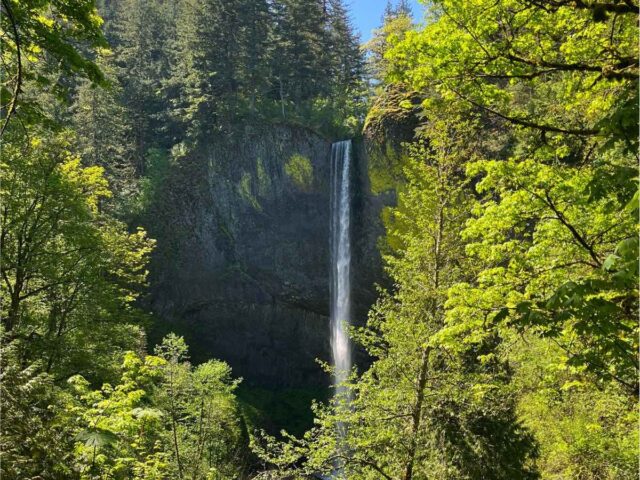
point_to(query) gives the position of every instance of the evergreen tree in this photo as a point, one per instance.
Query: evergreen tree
(343, 48)
(395, 23)
(391, 11)
(34, 442)
(141, 31)
(105, 137)
(299, 35)
(256, 53)
(210, 47)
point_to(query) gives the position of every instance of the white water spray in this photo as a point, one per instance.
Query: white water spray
(340, 260)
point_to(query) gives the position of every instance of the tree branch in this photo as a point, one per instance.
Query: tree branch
(617, 73)
(527, 123)
(579, 238)
(18, 86)
(618, 7)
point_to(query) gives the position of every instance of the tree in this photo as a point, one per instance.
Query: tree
(401, 8)
(543, 247)
(422, 409)
(300, 35)
(343, 49)
(141, 37)
(208, 62)
(205, 433)
(553, 239)
(50, 34)
(295, 60)
(32, 441)
(70, 274)
(256, 55)
(105, 138)
(583, 431)
(164, 419)
(395, 23)
(485, 54)
(567, 188)
(118, 428)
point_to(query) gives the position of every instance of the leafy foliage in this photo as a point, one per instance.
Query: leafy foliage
(506, 347)
(552, 240)
(421, 409)
(558, 206)
(164, 419)
(583, 432)
(70, 274)
(35, 439)
(514, 307)
(42, 38)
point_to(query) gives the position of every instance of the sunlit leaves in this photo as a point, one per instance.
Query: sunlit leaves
(69, 272)
(545, 246)
(523, 62)
(43, 37)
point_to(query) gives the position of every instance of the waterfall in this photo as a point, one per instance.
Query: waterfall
(340, 260)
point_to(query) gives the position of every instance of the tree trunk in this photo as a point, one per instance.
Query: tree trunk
(416, 413)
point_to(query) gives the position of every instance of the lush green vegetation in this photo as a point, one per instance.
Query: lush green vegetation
(96, 116)
(506, 347)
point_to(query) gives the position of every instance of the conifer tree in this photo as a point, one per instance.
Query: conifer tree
(141, 32)
(344, 49)
(105, 135)
(299, 36)
(396, 21)
(256, 52)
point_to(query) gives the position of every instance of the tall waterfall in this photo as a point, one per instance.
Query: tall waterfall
(340, 259)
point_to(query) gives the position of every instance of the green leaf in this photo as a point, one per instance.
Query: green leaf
(610, 262)
(97, 437)
(501, 315)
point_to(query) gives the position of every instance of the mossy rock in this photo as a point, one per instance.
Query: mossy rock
(300, 170)
(393, 116)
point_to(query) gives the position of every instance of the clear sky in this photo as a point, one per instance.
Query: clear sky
(366, 14)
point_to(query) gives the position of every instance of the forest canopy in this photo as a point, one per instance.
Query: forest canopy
(503, 343)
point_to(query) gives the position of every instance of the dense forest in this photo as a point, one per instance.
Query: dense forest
(503, 343)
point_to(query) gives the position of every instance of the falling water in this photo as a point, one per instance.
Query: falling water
(340, 260)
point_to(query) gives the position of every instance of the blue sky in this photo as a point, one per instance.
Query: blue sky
(366, 14)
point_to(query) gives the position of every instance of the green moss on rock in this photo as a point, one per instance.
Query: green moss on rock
(264, 181)
(300, 170)
(245, 189)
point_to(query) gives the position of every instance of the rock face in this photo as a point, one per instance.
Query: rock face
(242, 263)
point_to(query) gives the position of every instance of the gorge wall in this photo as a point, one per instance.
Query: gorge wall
(242, 263)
